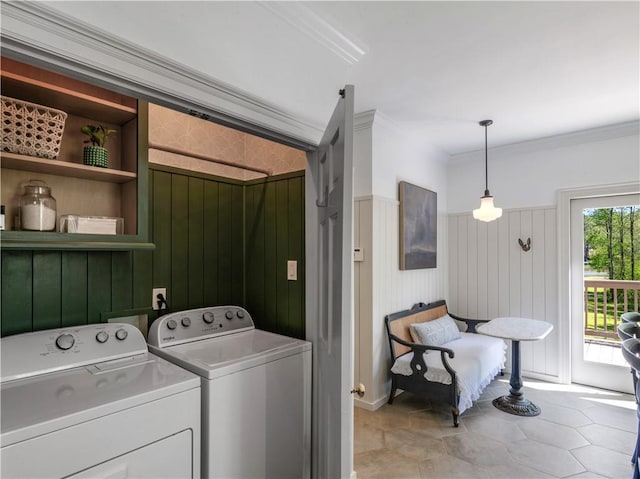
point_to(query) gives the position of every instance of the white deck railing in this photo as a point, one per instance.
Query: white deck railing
(604, 302)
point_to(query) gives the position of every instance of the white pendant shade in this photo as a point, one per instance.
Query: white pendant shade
(487, 212)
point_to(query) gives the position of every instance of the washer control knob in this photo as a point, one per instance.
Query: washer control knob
(65, 341)
(240, 314)
(228, 315)
(102, 337)
(186, 322)
(208, 317)
(171, 324)
(121, 334)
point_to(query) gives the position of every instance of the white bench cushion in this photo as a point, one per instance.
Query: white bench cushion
(477, 360)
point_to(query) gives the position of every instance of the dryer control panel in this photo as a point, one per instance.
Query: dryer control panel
(198, 324)
(31, 354)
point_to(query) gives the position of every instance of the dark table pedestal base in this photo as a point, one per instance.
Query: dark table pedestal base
(515, 403)
(518, 407)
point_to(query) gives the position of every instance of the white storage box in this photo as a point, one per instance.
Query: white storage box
(100, 225)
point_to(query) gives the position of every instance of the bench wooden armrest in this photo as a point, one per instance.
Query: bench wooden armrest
(418, 359)
(471, 323)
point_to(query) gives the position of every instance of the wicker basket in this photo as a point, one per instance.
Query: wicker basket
(30, 129)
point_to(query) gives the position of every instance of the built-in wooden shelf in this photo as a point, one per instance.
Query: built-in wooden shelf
(64, 168)
(42, 240)
(63, 93)
(123, 188)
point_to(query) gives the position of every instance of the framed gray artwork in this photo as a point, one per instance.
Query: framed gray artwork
(418, 227)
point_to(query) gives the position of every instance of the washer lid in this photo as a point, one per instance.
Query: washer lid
(215, 357)
(41, 404)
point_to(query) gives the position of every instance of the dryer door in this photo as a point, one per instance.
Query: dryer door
(170, 457)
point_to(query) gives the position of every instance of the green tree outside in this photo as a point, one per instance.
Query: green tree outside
(611, 246)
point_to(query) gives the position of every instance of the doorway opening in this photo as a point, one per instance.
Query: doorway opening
(611, 277)
(605, 277)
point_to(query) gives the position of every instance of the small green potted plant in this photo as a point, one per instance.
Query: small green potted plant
(96, 154)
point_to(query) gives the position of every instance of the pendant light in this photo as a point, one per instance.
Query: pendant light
(487, 212)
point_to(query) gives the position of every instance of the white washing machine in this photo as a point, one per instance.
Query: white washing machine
(256, 391)
(90, 401)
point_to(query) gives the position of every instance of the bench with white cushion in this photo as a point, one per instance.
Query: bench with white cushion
(440, 356)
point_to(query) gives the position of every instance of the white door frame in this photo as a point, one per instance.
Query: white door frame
(564, 262)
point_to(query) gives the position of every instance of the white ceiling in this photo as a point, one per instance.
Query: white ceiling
(434, 68)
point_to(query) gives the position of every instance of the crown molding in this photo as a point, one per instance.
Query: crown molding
(39, 34)
(364, 121)
(609, 132)
(303, 18)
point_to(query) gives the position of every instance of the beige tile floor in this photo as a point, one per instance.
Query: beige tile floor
(581, 433)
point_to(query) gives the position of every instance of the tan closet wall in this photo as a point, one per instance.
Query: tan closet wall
(189, 134)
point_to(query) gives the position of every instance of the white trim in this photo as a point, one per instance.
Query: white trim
(538, 376)
(609, 132)
(42, 35)
(364, 120)
(370, 406)
(564, 261)
(507, 210)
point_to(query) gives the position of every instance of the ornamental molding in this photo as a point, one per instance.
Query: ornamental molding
(609, 132)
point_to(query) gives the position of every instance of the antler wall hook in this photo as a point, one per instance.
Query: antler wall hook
(527, 246)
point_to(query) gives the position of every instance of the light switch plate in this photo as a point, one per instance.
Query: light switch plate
(292, 270)
(358, 254)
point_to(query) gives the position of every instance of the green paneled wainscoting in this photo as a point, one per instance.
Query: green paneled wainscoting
(221, 241)
(218, 241)
(54, 289)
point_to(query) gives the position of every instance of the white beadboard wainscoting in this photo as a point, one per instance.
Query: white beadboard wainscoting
(491, 276)
(380, 288)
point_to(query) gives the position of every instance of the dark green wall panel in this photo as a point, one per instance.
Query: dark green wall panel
(161, 227)
(99, 285)
(274, 225)
(296, 289)
(178, 283)
(74, 289)
(225, 245)
(255, 257)
(195, 249)
(237, 246)
(53, 289)
(17, 292)
(142, 274)
(210, 254)
(47, 289)
(121, 281)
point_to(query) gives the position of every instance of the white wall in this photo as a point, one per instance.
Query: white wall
(530, 174)
(489, 275)
(380, 287)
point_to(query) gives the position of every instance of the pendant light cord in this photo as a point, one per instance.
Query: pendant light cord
(486, 123)
(486, 163)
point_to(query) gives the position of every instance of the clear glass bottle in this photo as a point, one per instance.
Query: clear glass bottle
(37, 207)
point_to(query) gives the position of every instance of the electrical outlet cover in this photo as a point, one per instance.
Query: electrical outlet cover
(154, 298)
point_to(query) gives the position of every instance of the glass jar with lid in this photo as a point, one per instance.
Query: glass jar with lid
(37, 207)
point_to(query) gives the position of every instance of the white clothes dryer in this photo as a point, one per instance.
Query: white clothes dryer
(256, 391)
(91, 401)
